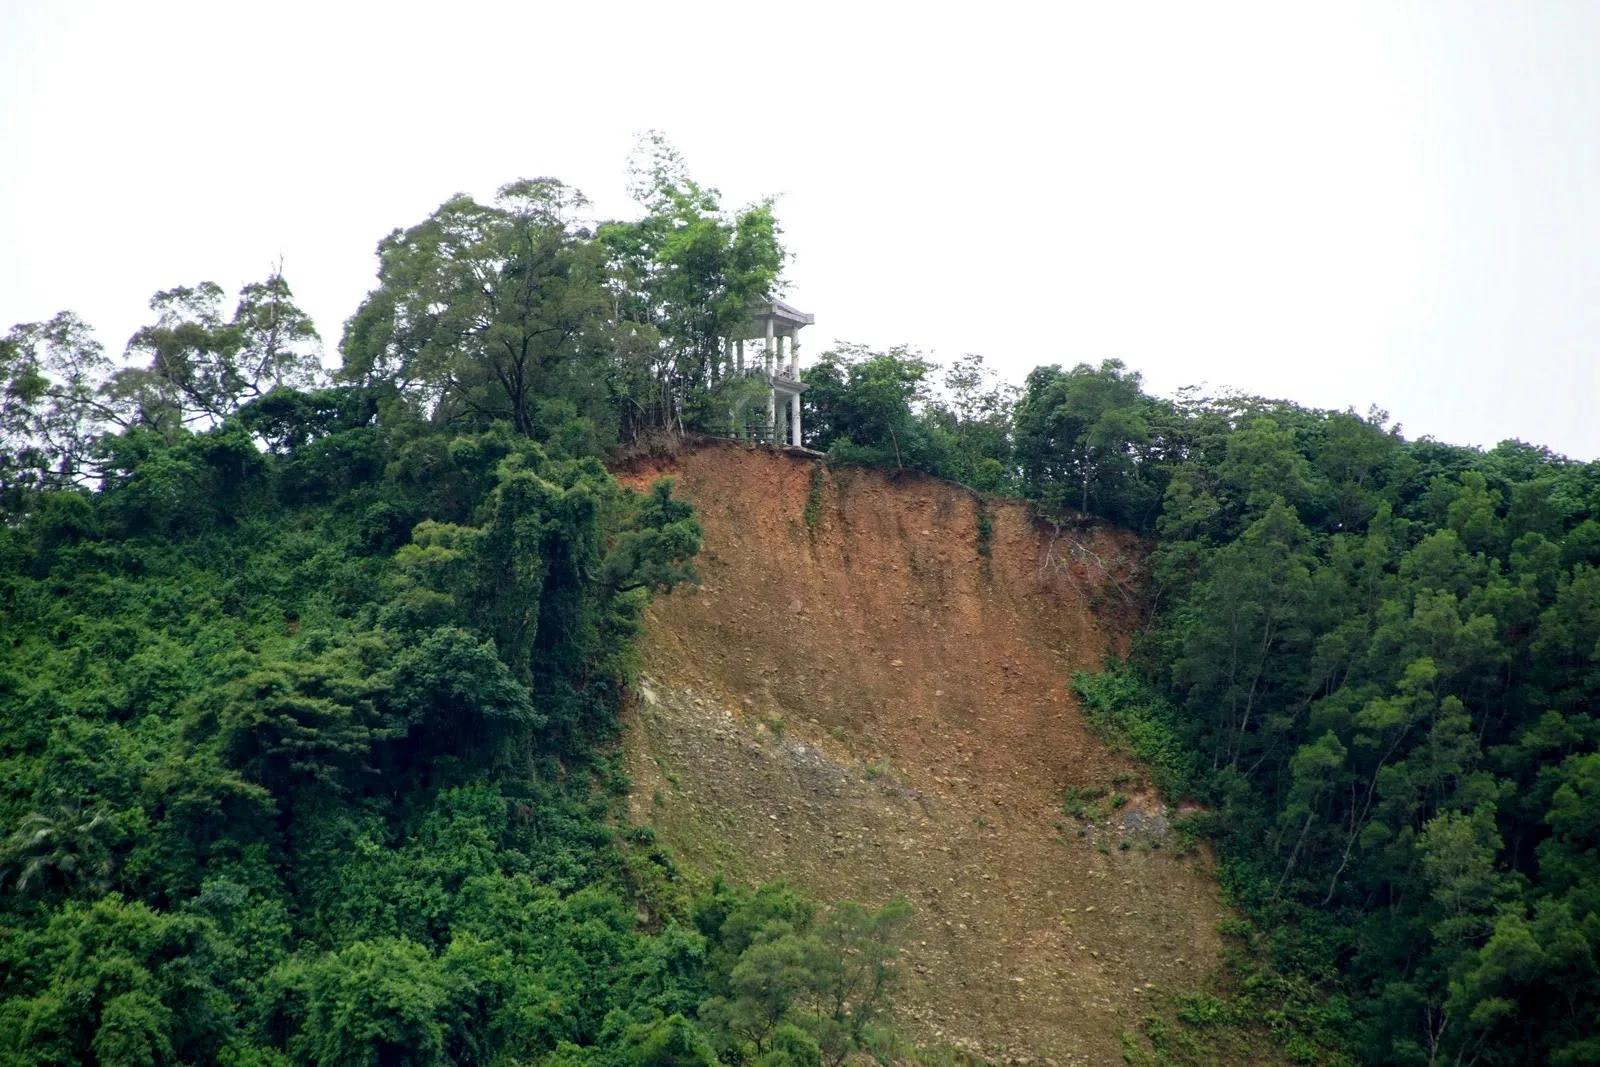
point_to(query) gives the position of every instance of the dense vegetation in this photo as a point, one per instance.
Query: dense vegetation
(1373, 660)
(308, 685)
(308, 688)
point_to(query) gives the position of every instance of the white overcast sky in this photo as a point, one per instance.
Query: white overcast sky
(1340, 204)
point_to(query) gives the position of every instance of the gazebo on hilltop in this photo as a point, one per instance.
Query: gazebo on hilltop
(778, 326)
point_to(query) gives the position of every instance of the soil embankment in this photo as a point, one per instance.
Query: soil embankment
(860, 701)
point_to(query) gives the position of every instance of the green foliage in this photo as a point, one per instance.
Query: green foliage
(51, 378)
(579, 338)
(985, 524)
(1079, 434)
(881, 408)
(1374, 661)
(813, 510)
(194, 368)
(862, 405)
(301, 759)
(313, 774)
(492, 312)
(1132, 715)
(373, 1002)
(1082, 802)
(1201, 1009)
(685, 277)
(970, 424)
(791, 986)
(671, 1042)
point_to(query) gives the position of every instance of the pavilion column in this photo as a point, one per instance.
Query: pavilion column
(727, 356)
(794, 419)
(738, 349)
(772, 416)
(794, 355)
(769, 352)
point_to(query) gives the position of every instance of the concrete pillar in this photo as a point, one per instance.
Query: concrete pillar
(739, 355)
(770, 353)
(794, 354)
(794, 420)
(727, 356)
(772, 417)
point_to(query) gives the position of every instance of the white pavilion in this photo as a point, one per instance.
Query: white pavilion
(777, 326)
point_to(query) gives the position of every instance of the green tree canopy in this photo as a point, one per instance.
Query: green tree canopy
(489, 312)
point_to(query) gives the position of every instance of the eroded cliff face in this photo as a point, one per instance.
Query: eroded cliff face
(860, 701)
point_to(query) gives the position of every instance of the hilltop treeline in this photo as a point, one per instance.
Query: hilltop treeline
(576, 334)
(309, 684)
(1374, 660)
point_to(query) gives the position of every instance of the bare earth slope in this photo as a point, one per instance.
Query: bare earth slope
(860, 702)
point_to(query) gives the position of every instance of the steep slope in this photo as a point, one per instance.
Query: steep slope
(860, 701)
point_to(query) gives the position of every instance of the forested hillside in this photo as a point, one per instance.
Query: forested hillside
(309, 678)
(309, 689)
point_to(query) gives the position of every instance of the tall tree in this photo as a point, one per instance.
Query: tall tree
(193, 367)
(51, 411)
(1078, 434)
(975, 412)
(689, 273)
(489, 312)
(865, 402)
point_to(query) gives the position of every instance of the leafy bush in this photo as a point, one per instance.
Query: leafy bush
(1133, 716)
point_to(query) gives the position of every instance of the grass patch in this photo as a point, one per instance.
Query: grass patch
(1132, 716)
(667, 773)
(1204, 1030)
(1083, 802)
(813, 512)
(985, 527)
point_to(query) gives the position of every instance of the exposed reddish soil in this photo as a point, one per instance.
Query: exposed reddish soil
(863, 704)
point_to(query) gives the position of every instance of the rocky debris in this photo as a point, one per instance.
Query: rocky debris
(910, 729)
